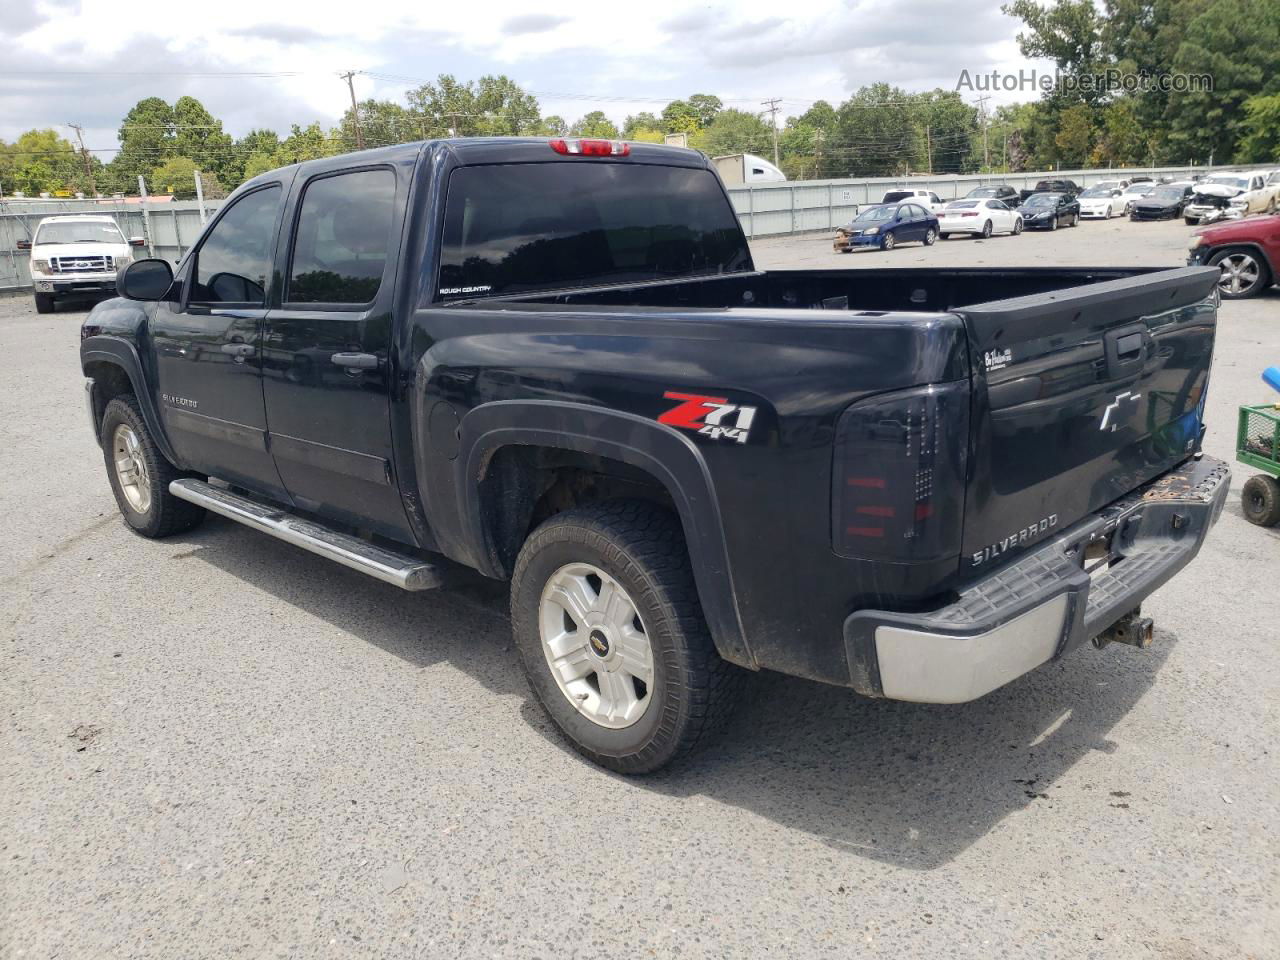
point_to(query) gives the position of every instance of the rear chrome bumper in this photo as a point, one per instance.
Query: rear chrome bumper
(1043, 604)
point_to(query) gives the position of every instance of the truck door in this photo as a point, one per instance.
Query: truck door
(327, 348)
(208, 370)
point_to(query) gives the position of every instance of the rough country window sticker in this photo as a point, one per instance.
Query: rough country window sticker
(713, 417)
(449, 291)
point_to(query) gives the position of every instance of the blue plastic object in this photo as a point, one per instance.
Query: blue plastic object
(1272, 377)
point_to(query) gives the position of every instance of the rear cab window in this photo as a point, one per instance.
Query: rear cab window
(521, 228)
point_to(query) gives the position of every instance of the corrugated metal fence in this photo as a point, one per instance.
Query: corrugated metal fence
(767, 209)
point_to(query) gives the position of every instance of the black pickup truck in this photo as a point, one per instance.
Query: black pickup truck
(1065, 187)
(555, 362)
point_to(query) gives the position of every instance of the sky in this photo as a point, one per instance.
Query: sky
(270, 64)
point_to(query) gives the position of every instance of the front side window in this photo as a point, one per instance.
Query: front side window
(524, 227)
(340, 246)
(233, 262)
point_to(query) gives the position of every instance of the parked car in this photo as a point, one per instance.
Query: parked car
(1102, 200)
(543, 393)
(1165, 202)
(76, 256)
(926, 198)
(980, 217)
(1247, 251)
(886, 225)
(1134, 191)
(1048, 211)
(1259, 196)
(1001, 191)
(1212, 197)
(1067, 187)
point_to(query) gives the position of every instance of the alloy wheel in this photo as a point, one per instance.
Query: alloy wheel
(596, 645)
(131, 468)
(1241, 272)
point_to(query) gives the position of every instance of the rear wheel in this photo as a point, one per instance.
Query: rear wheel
(44, 303)
(1244, 274)
(887, 242)
(611, 635)
(986, 230)
(1261, 500)
(140, 475)
(930, 236)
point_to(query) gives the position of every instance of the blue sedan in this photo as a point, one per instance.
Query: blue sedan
(886, 225)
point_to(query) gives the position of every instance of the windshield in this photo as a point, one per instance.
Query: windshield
(1098, 191)
(547, 225)
(983, 192)
(1166, 193)
(1140, 189)
(1042, 200)
(1226, 181)
(893, 196)
(79, 231)
(874, 214)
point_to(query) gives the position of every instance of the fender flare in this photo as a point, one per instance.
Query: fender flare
(121, 353)
(668, 456)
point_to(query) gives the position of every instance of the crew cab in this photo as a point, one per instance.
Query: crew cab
(1066, 187)
(556, 363)
(76, 256)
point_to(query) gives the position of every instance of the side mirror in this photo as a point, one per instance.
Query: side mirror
(136, 241)
(24, 244)
(145, 280)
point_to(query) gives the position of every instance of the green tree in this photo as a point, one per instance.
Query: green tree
(875, 133)
(595, 124)
(553, 126)
(177, 176)
(735, 131)
(948, 126)
(41, 161)
(259, 163)
(305, 143)
(641, 121)
(382, 123)
(705, 107)
(146, 140)
(1260, 142)
(199, 136)
(1075, 138)
(256, 143)
(679, 117)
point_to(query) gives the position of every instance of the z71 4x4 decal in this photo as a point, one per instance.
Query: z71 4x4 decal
(713, 417)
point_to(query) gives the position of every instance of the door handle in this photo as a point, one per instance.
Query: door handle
(239, 350)
(355, 361)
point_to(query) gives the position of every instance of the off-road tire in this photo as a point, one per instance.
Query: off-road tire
(44, 303)
(642, 547)
(166, 514)
(1261, 500)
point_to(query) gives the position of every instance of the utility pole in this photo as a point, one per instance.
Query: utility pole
(818, 137)
(772, 107)
(355, 111)
(986, 149)
(928, 147)
(88, 170)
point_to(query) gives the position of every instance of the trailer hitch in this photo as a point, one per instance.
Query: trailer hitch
(1132, 629)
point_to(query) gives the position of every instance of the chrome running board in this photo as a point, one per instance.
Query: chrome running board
(408, 573)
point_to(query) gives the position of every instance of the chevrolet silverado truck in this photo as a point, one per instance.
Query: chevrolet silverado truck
(555, 362)
(77, 255)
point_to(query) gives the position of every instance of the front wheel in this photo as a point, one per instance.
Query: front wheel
(44, 303)
(1261, 500)
(1075, 220)
(1053, 223)
(930, 236)
(1109, 213)
(1017, 226)
(140, 475)
(887, 242)
(1244, 274)
(611, 636)
(1190, 221)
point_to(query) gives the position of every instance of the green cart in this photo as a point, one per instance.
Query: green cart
(1258, 444)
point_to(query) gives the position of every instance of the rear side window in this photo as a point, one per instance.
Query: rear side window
(517, 228)
(340, 246)
(233, 262)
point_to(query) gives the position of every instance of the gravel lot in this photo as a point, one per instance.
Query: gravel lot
(218, 745)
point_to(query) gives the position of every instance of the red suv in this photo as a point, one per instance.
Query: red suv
(1248, 251)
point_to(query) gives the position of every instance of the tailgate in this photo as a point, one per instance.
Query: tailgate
(1079, 396)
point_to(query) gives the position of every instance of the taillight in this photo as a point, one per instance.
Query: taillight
(591, 148)
(900, 475)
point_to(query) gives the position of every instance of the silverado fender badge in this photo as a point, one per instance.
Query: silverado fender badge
(713, 417)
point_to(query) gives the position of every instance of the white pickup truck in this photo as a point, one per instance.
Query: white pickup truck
(75, 256)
